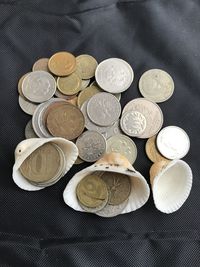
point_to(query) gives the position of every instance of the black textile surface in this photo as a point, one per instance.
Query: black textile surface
(37, 228)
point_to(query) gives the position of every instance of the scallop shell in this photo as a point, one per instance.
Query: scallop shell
(26, 147)
(112, 162)
(171, 184)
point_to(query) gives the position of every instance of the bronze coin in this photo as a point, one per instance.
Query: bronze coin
(86, 66)
(66, 121)
(41, 64)
(87, 93)
(66, 97)
(69, 85)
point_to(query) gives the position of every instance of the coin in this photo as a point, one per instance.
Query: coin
(118, 95)
(86, 94)
(114, 75)
(152, 113)
(42, 165)
(73, 101)
(27, 106)
(85, 84)
(62, 63)
(29, 132)
(122, 144)
(66, 97)
(103, 109)
(91, 191)
(78, 161)
(133, 123)
(20, 84)
(152, 151)
(38, 86)
(86, 66)
(112, 210)
(91, 146)
(156, 85)
(69, 85)
(66, 120)
(112, 130)
(41, 64)
(173, 142)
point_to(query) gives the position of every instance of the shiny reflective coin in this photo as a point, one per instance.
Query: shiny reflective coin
(19, 87)
(62, 64)
(173, 142)
(38, 86)
(156, 85)
(69, 85)
(112, 130)
(65, 120)
(119, 187)
(60, 95)
(152, 151)
(27, 106)
(92, 191)
(86, 66)
(114, 75)
(112, 210)
(152, 113)
(91, 146)
(29, 132)
(87, 93)
(85, 83)
(133, 123)
(124, 145)
(103, 109)
(41, 64)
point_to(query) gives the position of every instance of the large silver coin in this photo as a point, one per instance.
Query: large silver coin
(103, 109)
(29, 132)
(124, 145)
(152, 113)
(156, 85)
(39, 86)
(26, 106)
(112, 130)
(114, 75)
(91, 146)
(173, 142)
(133, 123)
(112, 210)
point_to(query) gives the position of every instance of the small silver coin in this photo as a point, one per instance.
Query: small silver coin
(103, 109)
(173, 142)
(29, 132)
(35, 121)
(91, 146)
(27, 106)
(112, 210)
(112, 130)
(39, 86)
(133, 123)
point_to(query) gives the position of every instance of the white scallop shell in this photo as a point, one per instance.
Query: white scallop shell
(26, 147)
(112, 162)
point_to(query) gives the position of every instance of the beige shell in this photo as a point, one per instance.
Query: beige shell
(171, 184)
(112, 162)
(26, 147)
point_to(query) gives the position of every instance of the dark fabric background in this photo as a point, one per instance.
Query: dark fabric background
(37, 228)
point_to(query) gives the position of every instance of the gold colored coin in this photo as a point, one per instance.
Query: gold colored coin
(41, 64)
(86, 66)
(65, 120)
(119, 187)
(152, 152)
(73, 101)
(91, 191)
(62, 64)
(87, 93)
(69, 85)
(42, 165)
(19, 87)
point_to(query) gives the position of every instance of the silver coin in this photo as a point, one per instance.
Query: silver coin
(112, 130)
(133, 123)
(85, 84)
(35, 121)
(39, 86)
(152, 113)
(29, 132)
(124, 145)
(112, 210)
(118, 95)
(156, 85)
(91, 146)
(114, 75)
(103, 109)
(27, 106)
(173, 142)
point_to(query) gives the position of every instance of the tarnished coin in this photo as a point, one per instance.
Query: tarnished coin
(156, 85)
(29, 132)
(42, 165)
(27, 106)
(112, 130)
(112, 210)
(173, 142)
(91, 146)
(19, 87)
(85, 83)
(87, 93)
(41, 64)
(114, 75)
(124, 145)
(66, 120)
(133, 123)
(152, 151)
(86, 66)
(62, 64)
(38, 86)
(91, 191)
(103, 109)
(119, 187)
(69, 85)
(152, 113)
